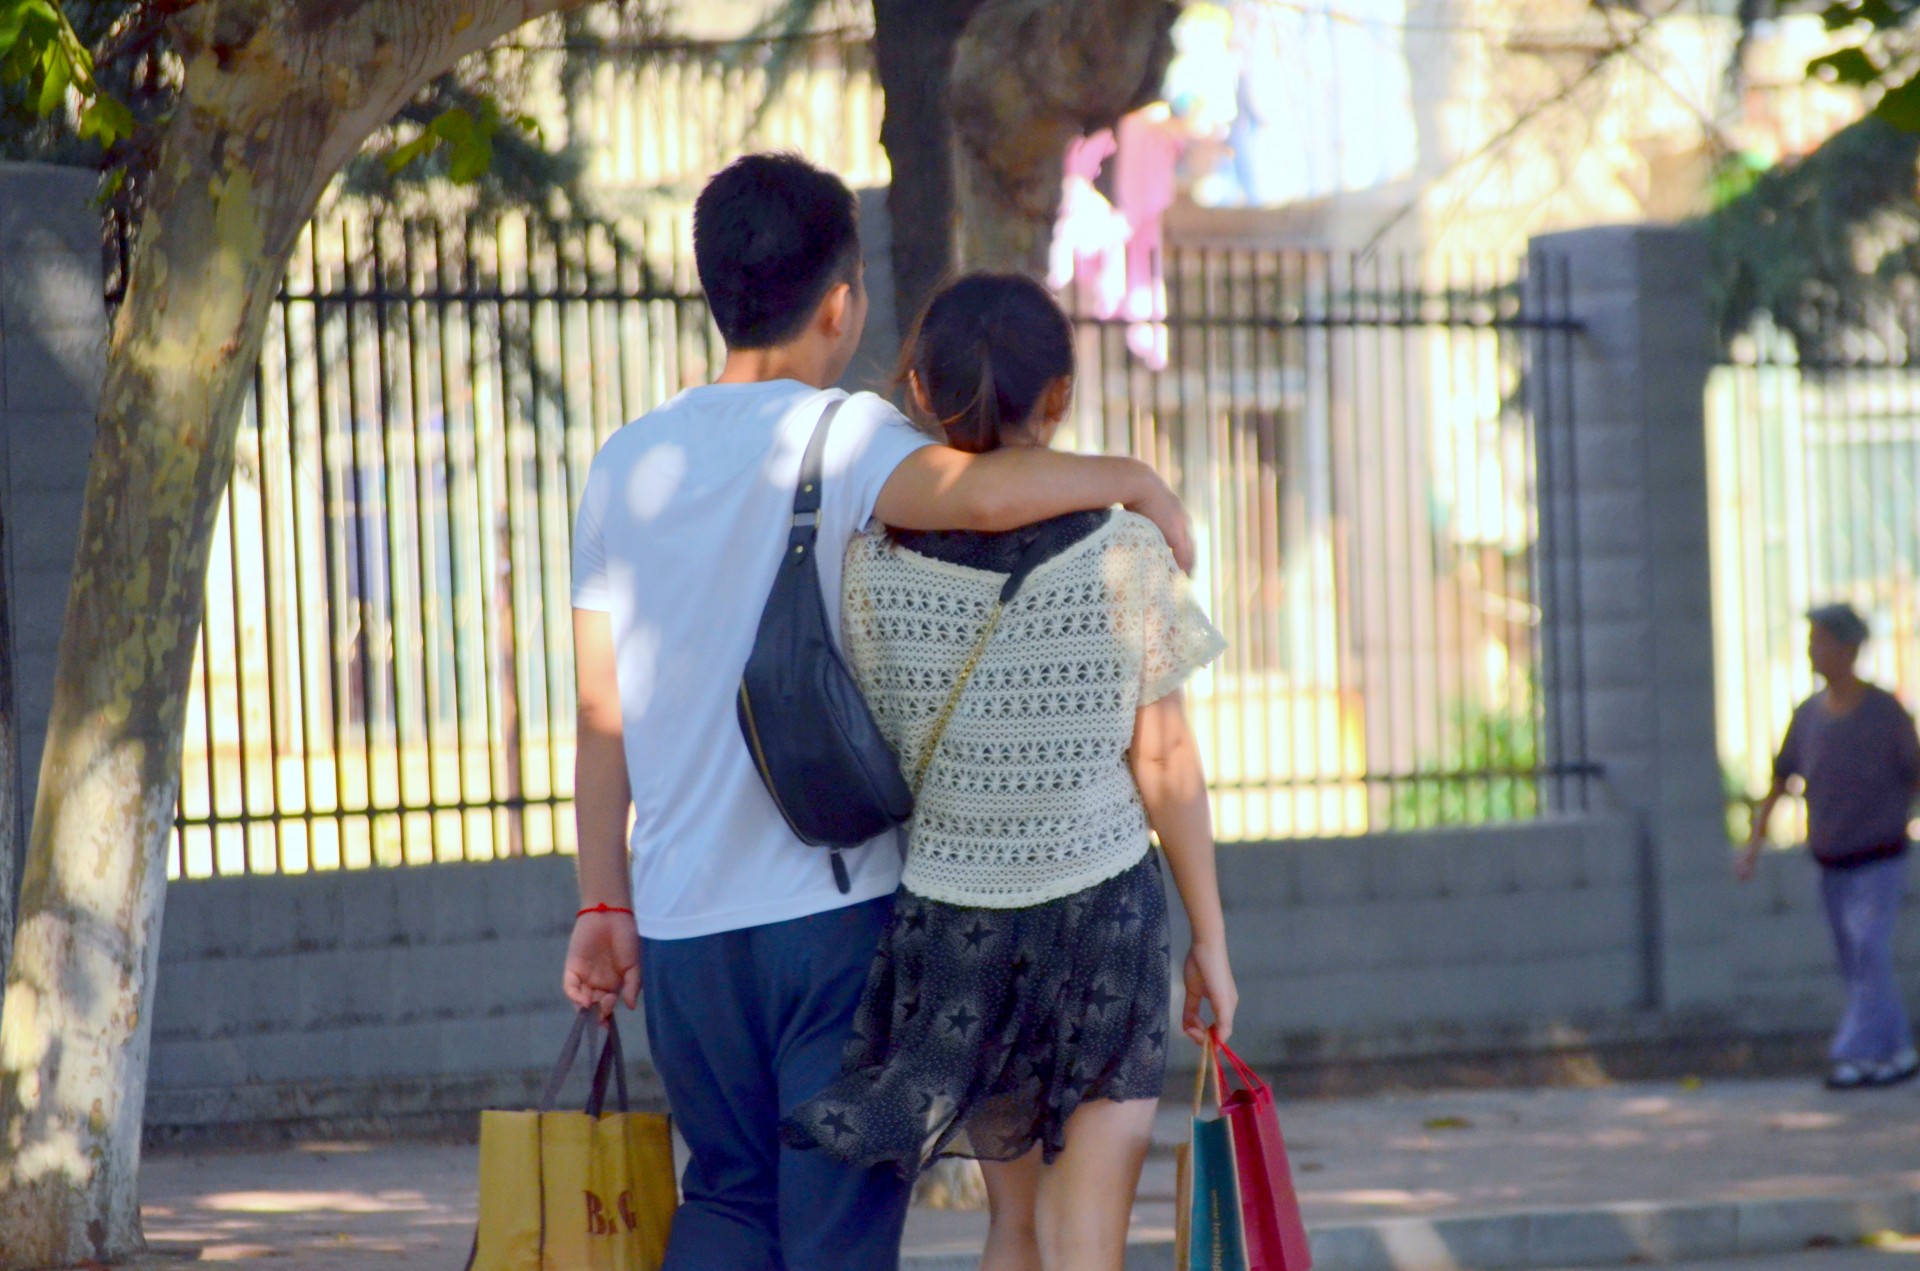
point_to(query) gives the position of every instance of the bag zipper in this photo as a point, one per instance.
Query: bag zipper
(840, 878)
(760, 758)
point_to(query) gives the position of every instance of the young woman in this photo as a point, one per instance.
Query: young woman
(1030, 683)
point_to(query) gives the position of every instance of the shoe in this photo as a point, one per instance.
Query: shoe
(1847, 1075)
(1904, 1066)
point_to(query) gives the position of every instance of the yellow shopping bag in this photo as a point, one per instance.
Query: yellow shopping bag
(575, 1191)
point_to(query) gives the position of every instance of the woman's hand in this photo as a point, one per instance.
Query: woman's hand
(1209, 979)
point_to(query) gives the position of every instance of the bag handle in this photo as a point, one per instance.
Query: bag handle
(569, 1051)
(1248, 1079)
(612, 1064)
(1035, 552)
(1209, 1067)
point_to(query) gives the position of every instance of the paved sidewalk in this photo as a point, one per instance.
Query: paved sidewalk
(1575, 1176)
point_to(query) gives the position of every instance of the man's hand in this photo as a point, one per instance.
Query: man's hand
(603, 963)
(1163, 507)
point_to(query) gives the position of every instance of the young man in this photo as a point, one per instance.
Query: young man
(752, 958)
(1853, 748)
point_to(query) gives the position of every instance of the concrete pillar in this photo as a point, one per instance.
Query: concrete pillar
(1623, 491)
(53, 336)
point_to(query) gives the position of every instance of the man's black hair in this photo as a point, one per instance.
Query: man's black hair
(772, 234)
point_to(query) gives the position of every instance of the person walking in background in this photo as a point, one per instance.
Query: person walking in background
(1853, 748)
(1031, 684)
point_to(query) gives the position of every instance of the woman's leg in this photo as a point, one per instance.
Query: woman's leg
(1085, 1199)
(1012, 1189)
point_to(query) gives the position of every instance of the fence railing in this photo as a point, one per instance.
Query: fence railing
(385, 669)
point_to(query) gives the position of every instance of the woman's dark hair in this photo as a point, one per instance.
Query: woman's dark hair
(772, 234)
(984, 351)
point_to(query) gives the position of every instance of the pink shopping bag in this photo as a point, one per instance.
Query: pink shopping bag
(1276, 1237)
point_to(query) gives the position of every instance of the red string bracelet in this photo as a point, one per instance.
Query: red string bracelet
(603, 908)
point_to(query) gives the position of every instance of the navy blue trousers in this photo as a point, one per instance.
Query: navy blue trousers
(745, 1026)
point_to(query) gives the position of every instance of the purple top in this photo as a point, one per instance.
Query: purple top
(1860, 769)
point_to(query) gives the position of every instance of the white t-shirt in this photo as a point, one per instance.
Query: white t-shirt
(682, 525)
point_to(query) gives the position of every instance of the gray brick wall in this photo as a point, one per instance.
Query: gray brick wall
(52, 356)
(389, 995)
(369, 996)
(1429, 934)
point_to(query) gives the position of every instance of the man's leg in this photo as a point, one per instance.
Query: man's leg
(1836, 895)
(1862, 905)
(708, 1024)
(833, 1217)
(1885, 1030)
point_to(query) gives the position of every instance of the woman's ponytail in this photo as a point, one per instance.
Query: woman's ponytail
(984, 352)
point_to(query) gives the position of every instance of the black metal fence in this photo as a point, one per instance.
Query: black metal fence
(1360, 440)
(385, 668)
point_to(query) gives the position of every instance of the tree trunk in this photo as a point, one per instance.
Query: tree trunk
(1028, 77)
(913, 44)
(277, 96)
(11, 786)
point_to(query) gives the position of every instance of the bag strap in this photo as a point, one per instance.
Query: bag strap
(1248, 1079)
(612, 1066)
(1035, 552)
(569, 1051)
(805, 528)
(613, 1063)
(1209, 1067)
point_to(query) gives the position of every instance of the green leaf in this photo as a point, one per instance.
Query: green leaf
(404, 155)
(1447, 1123)
(56, 76)
(1900, 106)
(466, 139)
(1846, 66)
(469, 159)
(107, 120)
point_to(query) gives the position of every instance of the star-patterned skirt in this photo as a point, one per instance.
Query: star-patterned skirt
(983, 1029)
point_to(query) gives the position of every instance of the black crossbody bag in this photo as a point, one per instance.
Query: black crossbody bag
(813, 739)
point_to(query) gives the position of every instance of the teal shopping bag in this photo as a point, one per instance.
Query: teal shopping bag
(1209, 1234)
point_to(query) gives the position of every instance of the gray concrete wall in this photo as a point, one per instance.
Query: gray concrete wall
(413, 997)
(1429, 933)
(382, 996)
(400, 995)
(53, 334)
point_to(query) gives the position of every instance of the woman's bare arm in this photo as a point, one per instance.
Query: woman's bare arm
(1173, 787)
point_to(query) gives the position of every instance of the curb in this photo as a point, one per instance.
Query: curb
(1598, 1236)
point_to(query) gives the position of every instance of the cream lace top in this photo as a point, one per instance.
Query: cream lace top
(1029, 797)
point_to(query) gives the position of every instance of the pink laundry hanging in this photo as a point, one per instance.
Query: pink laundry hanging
(1090, 237)
(1145, 184)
